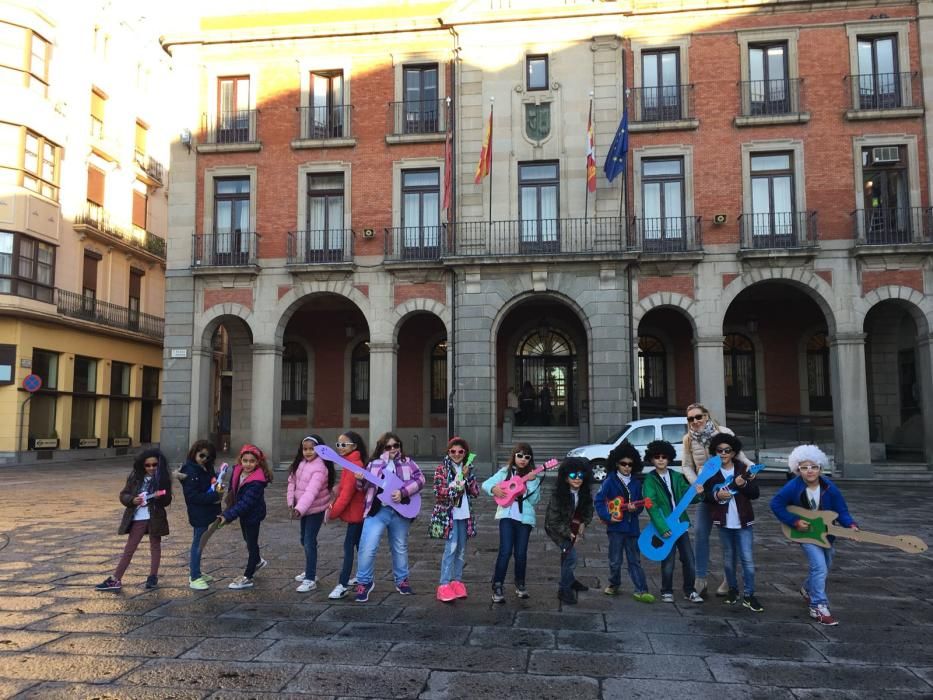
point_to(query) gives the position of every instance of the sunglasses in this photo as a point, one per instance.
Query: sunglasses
(810, 467)
(576, 475)
(393, 446)
(456, 451)
(202, 455)
(724, 450)
(698, 416)
(345, 445)
(626, 463)
(150, 464)
(522, 455)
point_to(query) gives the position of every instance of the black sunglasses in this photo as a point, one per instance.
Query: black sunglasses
(724, 450)
(392, 446)
(697, 417)
(626, 463)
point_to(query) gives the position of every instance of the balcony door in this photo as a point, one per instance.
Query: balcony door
(660, 79)
(738, 359)
(772, 200)
(885, 194)
(539, 207)
(767, 73)
(233, 110)
(231, 221)
(662, 192)
(327, 112)
(421, 214)
(325, 240)
(878, 79)
(421, 115)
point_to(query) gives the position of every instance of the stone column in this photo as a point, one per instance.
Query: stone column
(266, 402)
(925, 383)
(383, 382)
(710, 383)
(925, 36)
(201, 398)
(850, 404)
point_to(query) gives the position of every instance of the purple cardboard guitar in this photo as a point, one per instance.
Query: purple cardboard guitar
(388, 483)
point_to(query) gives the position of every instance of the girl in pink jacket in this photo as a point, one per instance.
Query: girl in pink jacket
(310, 480)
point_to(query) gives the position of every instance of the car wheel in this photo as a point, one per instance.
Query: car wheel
(599, 469)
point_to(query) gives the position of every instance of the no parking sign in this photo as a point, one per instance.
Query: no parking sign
(32, 383)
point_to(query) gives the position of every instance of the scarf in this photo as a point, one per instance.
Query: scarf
(454, 472)
(704, 435)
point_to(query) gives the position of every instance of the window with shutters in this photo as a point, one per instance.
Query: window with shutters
(119, 422)
(89, 283)
(136, 283)
(140, 206)
(96, 185)
(98, 109)
(359, 379)
(142, 135)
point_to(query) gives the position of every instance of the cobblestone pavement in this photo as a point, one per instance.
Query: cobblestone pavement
(61, 639)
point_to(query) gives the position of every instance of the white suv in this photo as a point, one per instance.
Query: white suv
(639, 433)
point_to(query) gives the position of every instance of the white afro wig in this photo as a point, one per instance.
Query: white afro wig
(806, 453)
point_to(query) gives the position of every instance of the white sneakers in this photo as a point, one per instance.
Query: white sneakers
(300, 577)
(340, 591)
(241, 582)
(307, 585)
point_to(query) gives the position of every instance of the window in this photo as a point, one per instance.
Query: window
(27, 53)
(43, 406)
(151, 382)
(359, 379)
(652, 373)
(879, 85)
(150, 399)
(539, 206)
(886, 196)
(642, 435)
(233, 110)
(327, 107)
(142, 137)
(439, 378)
(772, 219)
(27, 267)
(83, 401)
(660, 90)
(673, 432)
(421, 212)
(767, 73)
(231, 220)
(133, 304)
(140, 207)
(96, 186)
(40, 165)
(662, 187)
(818, 383)
(45, 364)
(98, 109)
(421, 106)
(536, 73)
(294, 380)
(118, 426)
(7, 364)
(325, 240)
(738, 355)
(89, 280)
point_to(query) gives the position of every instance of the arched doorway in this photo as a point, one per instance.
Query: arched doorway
(666, 381)
(421, 401)
(231, 373)
(546, 367)
(738, 369)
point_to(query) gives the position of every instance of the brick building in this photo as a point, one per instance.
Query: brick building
(767, 250)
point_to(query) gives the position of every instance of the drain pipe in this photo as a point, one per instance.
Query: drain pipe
(452, 218)
(633, 334)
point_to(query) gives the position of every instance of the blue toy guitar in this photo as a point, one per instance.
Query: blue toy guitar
(650, 535)
(727, 484)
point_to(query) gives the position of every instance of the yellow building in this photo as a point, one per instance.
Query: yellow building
(83, 209)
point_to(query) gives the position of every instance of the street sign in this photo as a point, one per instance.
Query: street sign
(32, 383)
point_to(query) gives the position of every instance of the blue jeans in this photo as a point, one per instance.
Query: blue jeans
(702, 526)
(619, 544)
(513, 538)
(351, 542)
(310, 526)
(373, 527)
(568, 565)
(737, 544)
(682, 547)
(194, 559)
(820, 561)
(454, 553)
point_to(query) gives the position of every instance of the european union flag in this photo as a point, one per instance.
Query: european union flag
(615, 158)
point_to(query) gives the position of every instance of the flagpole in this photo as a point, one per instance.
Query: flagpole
(492, 105)
(623, 198)
(586, 178)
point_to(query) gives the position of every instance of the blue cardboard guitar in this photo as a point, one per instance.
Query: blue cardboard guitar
(650, 535)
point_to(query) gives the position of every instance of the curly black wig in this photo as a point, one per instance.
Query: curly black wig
(660, 447)
(623, 450)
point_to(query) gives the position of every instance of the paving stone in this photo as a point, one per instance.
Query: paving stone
(356, 652)
(280, 611)
(21, 640)
(203, 627)
(109, 605)
(561, 620)
(457, 658)
(792, 674)
(882, 636)
(360, 681)
(392, 632)
(466, 613)
(23, 604)
(618, 643)
(875, 653)
(496, 686)
(18, 620)
(637, 689)
(360, 613)
(515, 637)
(10, 688)
(302, 629)
(613, 665)
(63, 667)
(833, 694)
(235, 695)
(212, 675)
(669, 624)
(762, 627)
(120, 624)
(925, 673)
(78, 691)
(234, 649)
(777, 648)
(207, 606)
(108, 645)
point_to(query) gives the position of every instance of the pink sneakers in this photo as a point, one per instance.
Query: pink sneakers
(458, 588)
(446, 593)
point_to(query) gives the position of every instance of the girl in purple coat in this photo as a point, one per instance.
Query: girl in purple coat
(310, 480)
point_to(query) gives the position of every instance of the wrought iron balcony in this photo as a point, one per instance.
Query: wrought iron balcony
(778, 230)
(418, 117)
(666, 103)
(97, 219)
(89, 309)
(893, 225)
(237, 126)
(669, 234)
(596, 236)
(415, 243)
(326, 123)
(882, 91)
(231, 249)
(771, 98)
(320, 246)
(153, 168)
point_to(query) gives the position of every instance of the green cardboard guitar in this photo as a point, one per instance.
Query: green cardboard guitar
(821, 526)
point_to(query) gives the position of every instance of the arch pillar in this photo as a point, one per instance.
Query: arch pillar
(383, 385)
(850, 404)
(710, 384)
(201, 392)
(925, 382)
(265, 420)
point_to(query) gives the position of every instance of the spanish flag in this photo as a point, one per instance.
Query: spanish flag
(484, 167)
(590, 154)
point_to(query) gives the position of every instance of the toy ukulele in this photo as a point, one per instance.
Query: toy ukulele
(149, 496)
(727, 484)
(618, 506)
(821, 526)
(460, 479)
(388, 483)
(646, 542)
(516, 486)
(221, 482)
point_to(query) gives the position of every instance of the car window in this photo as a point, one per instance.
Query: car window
(674, 433)
(615, 438)
(641, 435)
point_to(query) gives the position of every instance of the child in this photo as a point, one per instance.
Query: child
(665, 488)
(247, 502)
(388, 456)
(810, 489)
(516, 521)
(735, 517)
(569, 511)
(348, 506)
(310, 480)
(144, 515)
(202, 502)
(452, 520)
(623, 530)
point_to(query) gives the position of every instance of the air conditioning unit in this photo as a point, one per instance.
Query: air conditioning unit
(885, 154)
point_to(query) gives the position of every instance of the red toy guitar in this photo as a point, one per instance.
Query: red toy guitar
(618, 506)
(515, 486)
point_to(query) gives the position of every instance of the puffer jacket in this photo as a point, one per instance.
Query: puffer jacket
(307, 487)
(203, 504)
(794, 493)
(248, 500)
(348, 506)
(612, 488)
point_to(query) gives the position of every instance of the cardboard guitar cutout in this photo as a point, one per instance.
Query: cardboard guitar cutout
(655, 547)
(388, 483)
(821, 527)
(518, 485)
(618, 506)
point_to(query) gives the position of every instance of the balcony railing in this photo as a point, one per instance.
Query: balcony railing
(669, 234)
(325, 123)
(418, 117)
(878, 91)
(320, 246)
(778, 230)
(232, 249)
(666, 103)
(415, 242)
(151, 166)
(89, 309)
(770, 98)
(98, 218)
(238, 126)
(893, 225)
(596, 236)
